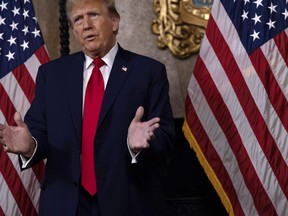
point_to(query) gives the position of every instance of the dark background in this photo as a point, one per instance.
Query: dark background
(188, 190)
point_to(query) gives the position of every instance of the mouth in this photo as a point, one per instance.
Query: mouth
(89, 37)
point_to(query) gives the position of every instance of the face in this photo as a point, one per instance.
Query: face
(94, 28)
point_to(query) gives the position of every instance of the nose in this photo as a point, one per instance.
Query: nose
(87, 22)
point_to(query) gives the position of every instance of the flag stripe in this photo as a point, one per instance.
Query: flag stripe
(15, 94)
(26, 82)
(238, 94)
(281, 39)
(39, 170)
(7, 202)
(6, 105)
(245, 66)
(16, 180)
(259, 93)
(271, 86)
(42, 55)
(1, 211)
(277, 123)
(277, 64)
(33, 63)
(28, 179)
(249, 106)
(23, 51)
(15, 185)
(227, 124)
(21, 103)
(218, 167)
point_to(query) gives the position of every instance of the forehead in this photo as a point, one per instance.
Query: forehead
(83, 7)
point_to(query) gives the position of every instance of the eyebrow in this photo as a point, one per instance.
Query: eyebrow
(91, 10)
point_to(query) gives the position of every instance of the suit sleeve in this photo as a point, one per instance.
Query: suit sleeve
(159, 106)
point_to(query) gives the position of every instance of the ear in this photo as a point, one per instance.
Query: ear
(115, 23)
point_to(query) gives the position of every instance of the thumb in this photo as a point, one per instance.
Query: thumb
(18, 119)
(139, 114)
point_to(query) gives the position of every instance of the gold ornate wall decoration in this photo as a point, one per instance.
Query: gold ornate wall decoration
(181, 25)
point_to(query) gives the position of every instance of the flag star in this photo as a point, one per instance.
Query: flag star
(1, 36)
(16, 11)
(3, 6)
(245, 1)
(35, 19)
(272, 8)
(12, 40)
(14, 26)
(2, 21)
(271, 24)
(25, 45)
(25, 30)
(25, 14)
(36, 33)
(25, 1)
(10, 55)
(285, 14)
(256, 19)
(244, 15)
(255, 35)
(258, 2)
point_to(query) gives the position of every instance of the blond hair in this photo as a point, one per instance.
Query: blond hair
(110, 5)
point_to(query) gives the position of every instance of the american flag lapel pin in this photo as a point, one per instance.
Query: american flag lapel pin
(124, 68)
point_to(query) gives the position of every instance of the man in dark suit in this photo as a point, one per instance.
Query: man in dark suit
(135, 129)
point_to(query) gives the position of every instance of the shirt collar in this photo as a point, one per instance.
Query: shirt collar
(108, 58)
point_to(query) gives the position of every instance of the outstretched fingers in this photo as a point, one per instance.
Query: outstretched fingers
(140, 133)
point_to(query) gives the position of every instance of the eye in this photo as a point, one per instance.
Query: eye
(93, 15)
(78, 20)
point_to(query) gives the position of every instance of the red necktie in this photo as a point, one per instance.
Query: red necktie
(92, 105)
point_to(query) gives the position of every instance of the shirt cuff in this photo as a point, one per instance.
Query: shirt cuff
(25, 160)
(133, 155)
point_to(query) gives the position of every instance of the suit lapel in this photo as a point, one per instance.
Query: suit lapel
(119, 73)
(75, 91)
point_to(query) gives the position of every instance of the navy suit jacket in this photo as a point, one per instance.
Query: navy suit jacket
(55, 120)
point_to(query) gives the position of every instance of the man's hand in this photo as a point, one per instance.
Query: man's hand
(17, 139)
(140, 133)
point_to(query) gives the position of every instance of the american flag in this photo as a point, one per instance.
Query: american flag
(22, 50)
(237, 102)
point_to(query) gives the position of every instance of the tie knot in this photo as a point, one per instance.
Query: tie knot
(98, 62)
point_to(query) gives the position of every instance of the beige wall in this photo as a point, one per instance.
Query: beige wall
(135, 34)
